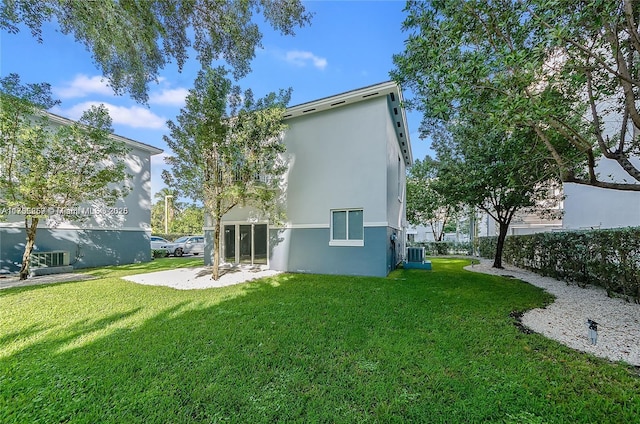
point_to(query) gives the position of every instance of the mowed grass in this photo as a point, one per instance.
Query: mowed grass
(418, 346)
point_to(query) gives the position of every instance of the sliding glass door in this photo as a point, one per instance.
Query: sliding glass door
(230, 243)
(246, 243)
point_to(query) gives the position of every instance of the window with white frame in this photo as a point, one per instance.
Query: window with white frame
(347, 227)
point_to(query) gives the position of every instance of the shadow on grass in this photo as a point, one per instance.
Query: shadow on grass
(433, 347)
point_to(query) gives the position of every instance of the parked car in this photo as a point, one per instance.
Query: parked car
(188, 244)
(159, 243)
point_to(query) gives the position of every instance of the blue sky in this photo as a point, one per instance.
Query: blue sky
(348, 45)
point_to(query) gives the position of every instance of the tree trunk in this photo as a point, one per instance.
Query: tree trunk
(216, 249)
(28, 248)
(502, 235)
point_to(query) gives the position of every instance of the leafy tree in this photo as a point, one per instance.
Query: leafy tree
(190, 220)
(498, 172)
(183, 218)
(44, 167)
(559, 68)
(132, 40)
(157, 217)
(227, 149)
(425, 205)
(158, 212)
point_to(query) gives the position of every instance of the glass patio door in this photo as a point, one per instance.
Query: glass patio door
(246, 244)
(230, 243)
(246, 241)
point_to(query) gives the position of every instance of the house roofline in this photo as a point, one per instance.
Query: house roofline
(133, 143)
(389, 89)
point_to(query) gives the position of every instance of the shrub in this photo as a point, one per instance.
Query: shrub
(609, 258)
(158, 253)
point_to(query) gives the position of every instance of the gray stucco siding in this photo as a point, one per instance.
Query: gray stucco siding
(307, 250)
(87, 248)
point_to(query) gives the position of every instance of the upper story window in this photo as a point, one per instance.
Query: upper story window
(347, 227)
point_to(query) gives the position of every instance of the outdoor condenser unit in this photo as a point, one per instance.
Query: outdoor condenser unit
(415, 254)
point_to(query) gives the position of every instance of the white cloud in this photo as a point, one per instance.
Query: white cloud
(83, 85)
(133, 116)
(303, 58)
(171, 97)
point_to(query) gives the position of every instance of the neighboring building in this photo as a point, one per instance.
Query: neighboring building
(583, 207)
(547, 217)
(117, 236)
(344, 192)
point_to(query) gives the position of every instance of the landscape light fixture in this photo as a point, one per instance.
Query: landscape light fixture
(593, 331)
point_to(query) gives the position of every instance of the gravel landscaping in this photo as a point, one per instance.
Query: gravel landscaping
(200, 277)
(565, 320)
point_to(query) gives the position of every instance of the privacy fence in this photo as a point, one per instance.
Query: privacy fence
(608, 258)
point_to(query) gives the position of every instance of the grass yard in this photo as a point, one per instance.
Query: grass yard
(433, 347)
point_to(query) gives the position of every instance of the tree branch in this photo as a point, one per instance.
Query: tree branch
(632, 27)
(602, 184)
(587, 51)
(627, 82)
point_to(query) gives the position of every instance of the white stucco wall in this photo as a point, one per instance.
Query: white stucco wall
(137, 203)
(337, 160)
(592, 207)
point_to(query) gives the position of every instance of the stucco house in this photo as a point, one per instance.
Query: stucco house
(344, 191)
(110, 236)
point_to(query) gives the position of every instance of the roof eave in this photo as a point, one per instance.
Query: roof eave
(389, 89)
(133, 143)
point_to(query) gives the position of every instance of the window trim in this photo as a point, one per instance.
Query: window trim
(347, 241)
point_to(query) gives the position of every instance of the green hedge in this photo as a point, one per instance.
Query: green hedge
(434, 248)
(608, 258)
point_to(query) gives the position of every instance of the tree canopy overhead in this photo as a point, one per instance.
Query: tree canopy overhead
(132, 40)
(567, 70)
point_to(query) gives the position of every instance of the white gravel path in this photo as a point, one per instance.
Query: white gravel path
(565, 320)
(200, 277)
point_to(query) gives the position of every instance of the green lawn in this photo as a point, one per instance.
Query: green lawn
(418, 346)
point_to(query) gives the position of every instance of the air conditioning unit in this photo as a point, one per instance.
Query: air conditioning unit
(415, 254)
(49, 259)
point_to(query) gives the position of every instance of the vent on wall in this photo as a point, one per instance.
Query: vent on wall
(49, 259)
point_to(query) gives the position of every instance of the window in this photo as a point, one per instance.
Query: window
(347, 228)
